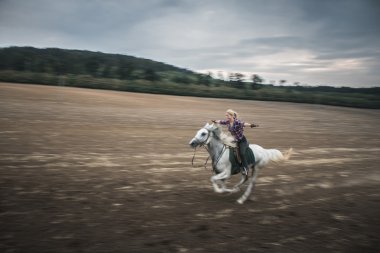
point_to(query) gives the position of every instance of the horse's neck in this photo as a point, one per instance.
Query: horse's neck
(215, 147)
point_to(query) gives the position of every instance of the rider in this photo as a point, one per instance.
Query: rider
(236, 128)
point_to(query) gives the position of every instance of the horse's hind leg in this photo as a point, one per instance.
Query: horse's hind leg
(242, 181)
(250, 187)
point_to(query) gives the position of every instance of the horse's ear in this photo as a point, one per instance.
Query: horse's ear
(207, 124)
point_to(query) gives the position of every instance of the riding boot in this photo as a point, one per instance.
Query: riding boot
(244, 167)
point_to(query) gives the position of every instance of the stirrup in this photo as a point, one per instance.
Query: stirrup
(244, 171)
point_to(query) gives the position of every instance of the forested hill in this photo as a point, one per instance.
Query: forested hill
(80, 68)
(78, 62)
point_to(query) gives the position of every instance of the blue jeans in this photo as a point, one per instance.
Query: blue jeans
(243, 145)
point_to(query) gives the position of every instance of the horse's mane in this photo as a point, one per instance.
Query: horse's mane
(222, 136)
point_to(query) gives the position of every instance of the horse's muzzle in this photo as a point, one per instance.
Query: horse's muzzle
(193, 143)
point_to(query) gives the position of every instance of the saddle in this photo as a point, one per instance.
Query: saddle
(235, 159)
(236, 152)
(235, 156)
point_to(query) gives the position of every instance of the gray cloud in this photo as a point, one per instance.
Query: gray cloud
(334, 42)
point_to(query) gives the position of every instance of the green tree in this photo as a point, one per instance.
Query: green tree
(236, 79)
(151, 75)
(125, 69)
(256, 81)
(204, 79)
(92, 66)
(106, 71)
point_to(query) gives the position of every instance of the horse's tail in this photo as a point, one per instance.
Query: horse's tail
(274, 155)
(287, 154)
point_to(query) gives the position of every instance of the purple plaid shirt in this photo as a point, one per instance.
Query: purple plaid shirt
(237, 128)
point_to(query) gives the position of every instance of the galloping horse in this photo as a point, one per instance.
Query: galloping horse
(218, 143)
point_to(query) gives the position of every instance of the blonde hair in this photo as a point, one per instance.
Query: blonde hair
(232, 113)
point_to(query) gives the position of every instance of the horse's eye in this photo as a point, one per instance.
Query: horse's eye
(203, 134)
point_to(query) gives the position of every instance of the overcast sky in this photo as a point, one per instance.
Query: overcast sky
(314, 42)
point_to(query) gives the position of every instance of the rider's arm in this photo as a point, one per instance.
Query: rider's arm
(222, 122)
(250, 125)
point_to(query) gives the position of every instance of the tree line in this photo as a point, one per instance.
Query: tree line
(57, 61)
(81, 68)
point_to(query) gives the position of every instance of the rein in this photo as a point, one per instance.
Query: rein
(192, 160)
(219, 156)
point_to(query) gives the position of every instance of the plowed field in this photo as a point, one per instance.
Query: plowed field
(102, 171)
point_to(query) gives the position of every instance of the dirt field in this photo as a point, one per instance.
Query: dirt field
(102, 171)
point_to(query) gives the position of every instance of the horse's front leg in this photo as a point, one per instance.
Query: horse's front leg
(219, 178)
(233, 190)
(225, 189)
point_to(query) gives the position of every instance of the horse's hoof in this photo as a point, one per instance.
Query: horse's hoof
(218, 191)
(240, 201)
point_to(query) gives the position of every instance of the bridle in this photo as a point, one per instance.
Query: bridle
(204, 144)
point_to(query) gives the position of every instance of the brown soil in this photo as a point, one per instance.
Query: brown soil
(101, 171)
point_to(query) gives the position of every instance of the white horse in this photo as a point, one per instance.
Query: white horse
(218, 145)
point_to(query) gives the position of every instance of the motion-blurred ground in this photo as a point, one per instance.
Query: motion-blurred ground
(101, 171)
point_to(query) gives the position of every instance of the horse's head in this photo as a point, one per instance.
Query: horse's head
(202, 137)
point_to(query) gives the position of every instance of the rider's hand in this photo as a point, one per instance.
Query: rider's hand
(213, 121)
